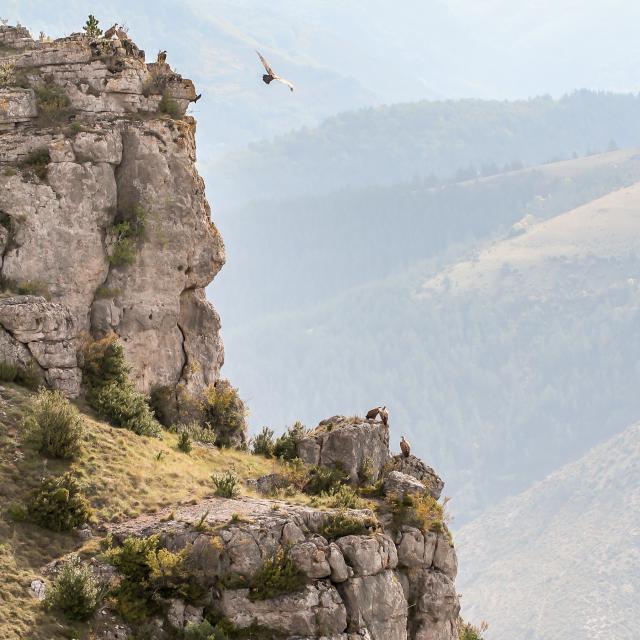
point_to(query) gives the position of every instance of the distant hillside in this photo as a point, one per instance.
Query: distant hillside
(561, 560)
(386, 145)
(355, 236)
(500, 382)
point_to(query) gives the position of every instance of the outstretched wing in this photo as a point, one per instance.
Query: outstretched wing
(279, 79)
(266, 65)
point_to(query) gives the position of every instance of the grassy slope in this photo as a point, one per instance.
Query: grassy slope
(123, 479)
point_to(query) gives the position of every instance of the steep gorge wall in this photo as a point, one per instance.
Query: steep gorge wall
(111, 152)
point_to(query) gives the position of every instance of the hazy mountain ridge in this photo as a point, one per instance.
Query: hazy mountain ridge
(567, 562)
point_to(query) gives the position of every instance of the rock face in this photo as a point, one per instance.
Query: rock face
(382, 586)
(118, 179)
(413, 466)
(356, 445)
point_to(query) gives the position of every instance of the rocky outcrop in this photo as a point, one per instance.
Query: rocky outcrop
(413, 466)
(377, 585)
(358, 446)
(113, 223)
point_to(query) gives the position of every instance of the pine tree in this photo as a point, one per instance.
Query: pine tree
(91, 28)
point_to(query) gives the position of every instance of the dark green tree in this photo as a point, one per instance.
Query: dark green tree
(91, 28)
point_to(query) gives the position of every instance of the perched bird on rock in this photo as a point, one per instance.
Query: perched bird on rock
(379, 411)
(271, 74)
(162, 56)
(405, 447)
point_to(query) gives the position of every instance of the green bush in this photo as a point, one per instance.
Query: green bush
(55, 425)
(278, 575)
(196, 432)
(342, 523)
(204, 631)
(325, 480)
(37, 161)
(163, 401)
(58, 504)
(423, 512)
(263, 444)
(75, 592)
(226, 485)
(169, 106)
(225, 412)
(91, 27)
(286, 446)
(128, 231)
(125, 407)
(109, 390)
(53, 103)
(467, 631)
(345, 497)
(184, 442)
(33, 288)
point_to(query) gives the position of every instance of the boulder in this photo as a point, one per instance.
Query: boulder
(413, 466)
(355, 445)
(401, 484)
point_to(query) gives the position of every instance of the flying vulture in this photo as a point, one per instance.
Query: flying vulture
(379, 411)
(271, 74)
(405, 447)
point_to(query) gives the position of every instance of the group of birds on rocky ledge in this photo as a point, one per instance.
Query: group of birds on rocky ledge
(383, 414)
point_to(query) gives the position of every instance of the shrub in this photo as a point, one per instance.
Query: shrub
(226, 485)
(467, 631)
(58, 504)
(8, 371)
(197, 432)
(7, 74)
(37, 161)
(325, 480)
(29, 377)
(33, 287)
(225, 412)
(345, 497)
(75, 592)
(343, 523)
(125, 407)
(163, 401)
(53, 103)
(109, 390)
(204, 631)
(128, 231)
(169, 106)
(55, 425)
(184, 442)
(278, 575)
(423, 512)
(286, 446)
(263, 444)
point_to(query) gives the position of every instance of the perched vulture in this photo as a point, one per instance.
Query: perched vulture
(162, 56)
(115, 33)
(271, 74)
(405, 447)
(379, 411)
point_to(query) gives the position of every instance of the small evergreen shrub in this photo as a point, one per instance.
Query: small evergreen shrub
(204, 631)
(128, 232)
(467, 631)
(263, 444)
(169, 106)
(109, 390)
(423, 512)
(75, 592)
(37, 162)
(91, 27)
(226, 484)
(325, 480)
(345, 497)
(197, 432)
(342, 523)
(53, 103)
(278, 575)
(33, 287)
(225, 412)
(286, 446)
(184, 442)
(55, 425)
(58, 504)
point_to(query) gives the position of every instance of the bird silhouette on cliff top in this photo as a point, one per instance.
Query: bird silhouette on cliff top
(271, 75)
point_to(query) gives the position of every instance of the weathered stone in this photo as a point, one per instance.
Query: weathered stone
(17, 105)
(415, 547)
(368, 555)
(377, 604)
(339, 570)
(315, 611)
(38, 589)
(401, 484)
(413, 466)
(355, 445)
(445, 558)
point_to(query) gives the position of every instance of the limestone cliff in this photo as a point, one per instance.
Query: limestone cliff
(103, 212)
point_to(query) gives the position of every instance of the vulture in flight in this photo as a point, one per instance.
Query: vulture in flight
(271, 74)
(405, 447)
(379, 411)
